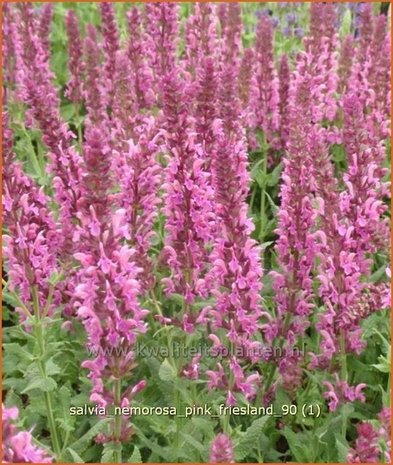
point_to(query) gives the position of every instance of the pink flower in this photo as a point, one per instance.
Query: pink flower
(345, 61)
(161, 26)
(267, 98)
(31, 243)
(141, 74)
(9, 53)
(366, 448)
(110, 45)
(221, 449)
(125, 114)
(231, 34)
(43, 27)
(75, 63)
(94, 89)
(18, 446)
(201, 36)
(284, 83)
(340, 392)
(297, 244)
(191, 371)
(140, 179)
(235, 275)
(44, 106)
(187, 200)
(246, 78)
(105, 287)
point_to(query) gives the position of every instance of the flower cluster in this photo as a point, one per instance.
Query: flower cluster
(32, 241)
(18, 446)
(106, 285)
(367, 445)
(221, 449)
(188, 198)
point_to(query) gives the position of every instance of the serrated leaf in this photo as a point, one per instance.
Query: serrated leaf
(107, 453)
(203, 425)
(166, 371)
(42, 384)
(274, 176)
(342, 450)
(76, 458)
(17, 350)
(192, 442)
(251, 437)
(65, 420)
(152, 445)
(52, 368)
(382, 367)
(82, 443)
(296, 444)
(377, 275)
(17, 384)
(177, 298)
(135, 457)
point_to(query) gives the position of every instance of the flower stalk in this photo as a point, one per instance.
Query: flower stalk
(40, 339)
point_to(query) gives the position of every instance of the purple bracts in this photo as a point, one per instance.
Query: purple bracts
(75, 63)
(18, 446)
(31, 241)
(221, 450)
(188, 197)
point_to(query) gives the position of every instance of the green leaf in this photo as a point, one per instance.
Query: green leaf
(272, 204)
(55, 278)
(177, 298)
(167, 371)
(42, 384)
(107, 453)
(251, 438)
(52, 368)
(192, 442)
(342, 449)
(296, 443)
(65, 420)
(152, 445)
(274, 176)
(135, 457)
(203, 425)
(383, 367)
(377, 275)
(82, 443)
(76, 458)
(16, 350)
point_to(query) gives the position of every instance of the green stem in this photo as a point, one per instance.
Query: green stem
(51, 419)
(225, 423)
(21, 304)
(41, 366)
(155, 302)
(117, 429)
(48, 301)
(252, 198)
